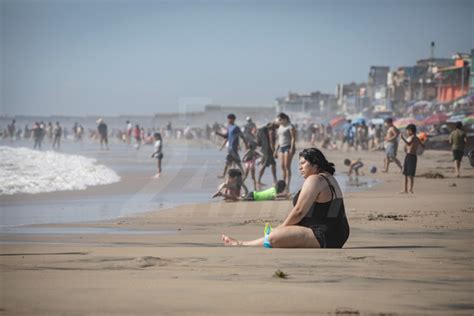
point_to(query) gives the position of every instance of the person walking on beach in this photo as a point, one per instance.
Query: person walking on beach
(266, 140)
(411, 149)
(158, 152)
(286, 146)
(102, 130)
(317, 219)
(458, 141)
(391, 145)
(57, 132)
(232, 135)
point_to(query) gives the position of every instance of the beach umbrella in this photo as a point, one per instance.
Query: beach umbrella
(405, 121)
(359, 120)
(337, 121)
(436, 119)
(469, 119)
(456, 118)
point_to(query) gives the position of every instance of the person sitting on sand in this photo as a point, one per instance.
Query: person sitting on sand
(272, 193)
(411, 148)
(231, 188)
(317, 219)
(354, 165)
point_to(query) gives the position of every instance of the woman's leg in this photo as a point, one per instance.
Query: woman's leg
(283, 237)
(281, 157)
(289, 158)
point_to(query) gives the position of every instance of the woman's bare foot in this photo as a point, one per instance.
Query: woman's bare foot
(229, 241)
(403, 192)
(411, 191)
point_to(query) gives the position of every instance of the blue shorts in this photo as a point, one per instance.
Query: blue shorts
(391, 149)
(284, 149)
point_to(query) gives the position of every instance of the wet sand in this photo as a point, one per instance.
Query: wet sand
(407, 254)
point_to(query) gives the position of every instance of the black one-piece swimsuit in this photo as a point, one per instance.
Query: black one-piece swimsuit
(328, 220)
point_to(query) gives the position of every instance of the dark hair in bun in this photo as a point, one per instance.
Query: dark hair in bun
(315, 157)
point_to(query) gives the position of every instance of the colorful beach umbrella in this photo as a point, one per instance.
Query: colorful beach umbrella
(405, 121)
(469, 119)
(337, 121)
(436, 119)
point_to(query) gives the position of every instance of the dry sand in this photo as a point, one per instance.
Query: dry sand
(407, 254)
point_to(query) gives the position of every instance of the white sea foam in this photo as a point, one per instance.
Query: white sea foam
(23, 170)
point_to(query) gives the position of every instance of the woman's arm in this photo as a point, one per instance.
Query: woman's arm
(311, 188)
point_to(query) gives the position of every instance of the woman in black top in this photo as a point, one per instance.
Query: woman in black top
(318, 218)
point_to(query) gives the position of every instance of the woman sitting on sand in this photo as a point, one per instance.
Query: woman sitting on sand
(318, 218)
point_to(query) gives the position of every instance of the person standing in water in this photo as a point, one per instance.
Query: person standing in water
(57, 132)
(137, 135)
(102, 130)
(158, 152)
(458, 141)
(286, 146)
(37, 135)
(391, 145)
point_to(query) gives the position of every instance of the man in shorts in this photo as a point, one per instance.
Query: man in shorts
(232, 135)
(458, 141)
(391, 145)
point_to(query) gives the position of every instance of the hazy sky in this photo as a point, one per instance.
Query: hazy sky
(119, 57)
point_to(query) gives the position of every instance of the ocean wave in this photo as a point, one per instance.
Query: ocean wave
(23, 170)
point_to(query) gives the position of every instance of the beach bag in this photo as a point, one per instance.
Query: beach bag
(420, 150)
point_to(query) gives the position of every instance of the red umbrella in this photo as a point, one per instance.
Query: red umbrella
(337, 121)
(405, 121)
(436, 119)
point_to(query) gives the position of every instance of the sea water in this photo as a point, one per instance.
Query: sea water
(23, 170)
(190, 176)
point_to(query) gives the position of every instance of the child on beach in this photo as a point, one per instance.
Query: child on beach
(269, 194)
(354, 165)
(231, 188)
(412, 142)
(158, 154)
(250, 157)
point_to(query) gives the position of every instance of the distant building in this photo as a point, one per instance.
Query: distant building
(313, 104)
(377, 82)
(352, 97)
(453, 81)
(416, 82)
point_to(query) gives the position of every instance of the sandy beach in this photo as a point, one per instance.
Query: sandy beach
(407, 254)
